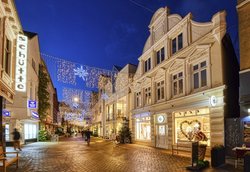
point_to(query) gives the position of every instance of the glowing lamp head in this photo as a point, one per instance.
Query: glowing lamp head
(75, 99)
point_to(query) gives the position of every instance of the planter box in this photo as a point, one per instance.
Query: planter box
(217, 157)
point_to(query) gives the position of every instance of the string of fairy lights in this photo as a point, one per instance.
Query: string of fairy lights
(87, 78)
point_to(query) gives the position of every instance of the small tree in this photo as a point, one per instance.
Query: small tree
(125, 134)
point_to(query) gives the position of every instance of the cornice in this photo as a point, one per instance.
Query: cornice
(242, 4)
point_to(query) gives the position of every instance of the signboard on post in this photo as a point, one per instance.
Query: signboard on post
(32, 104)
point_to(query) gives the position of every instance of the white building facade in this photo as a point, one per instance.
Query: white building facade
(180, 82)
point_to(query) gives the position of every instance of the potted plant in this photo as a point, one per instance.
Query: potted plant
(217, 155)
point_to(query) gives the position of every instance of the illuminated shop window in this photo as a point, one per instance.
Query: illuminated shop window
(143, 129)
(7, 132)
(193, 126)
(30, 131)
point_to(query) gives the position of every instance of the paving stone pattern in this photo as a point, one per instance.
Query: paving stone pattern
(73, 155)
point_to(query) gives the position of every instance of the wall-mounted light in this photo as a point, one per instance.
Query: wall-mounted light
(248, 110)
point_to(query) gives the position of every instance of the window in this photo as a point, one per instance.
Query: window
(143, 129)
(30, 131)
(160, 55)
(147, 65)
(160, 90)
(147, 92)
(200, 75)
(177, 87)
(7, 56)
(138, 99)
(177, 43)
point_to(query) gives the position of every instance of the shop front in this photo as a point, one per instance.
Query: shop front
(161, 129)
(143, 127)
(192, 125)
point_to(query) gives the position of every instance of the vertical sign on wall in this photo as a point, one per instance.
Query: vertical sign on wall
(21, 63)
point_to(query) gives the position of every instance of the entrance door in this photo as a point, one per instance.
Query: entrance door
(161, 136)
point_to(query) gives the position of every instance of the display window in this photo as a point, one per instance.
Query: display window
(7, 132)
(193, 126)
(143, 128)
(30, 131)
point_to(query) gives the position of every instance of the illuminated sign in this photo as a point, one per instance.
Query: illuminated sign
(160, 119)
(31, 104)
(213, 100)
(21, 63)
(35, 115)
(6, 113)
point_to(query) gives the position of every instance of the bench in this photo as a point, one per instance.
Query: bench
(6, 161)
(182, 145)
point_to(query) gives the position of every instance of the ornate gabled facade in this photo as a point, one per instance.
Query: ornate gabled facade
(181, 79)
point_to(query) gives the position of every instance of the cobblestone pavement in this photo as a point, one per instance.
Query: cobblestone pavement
(73, 155)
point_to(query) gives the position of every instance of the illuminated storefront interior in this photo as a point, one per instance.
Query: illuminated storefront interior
(187, 123)
(143, 129)
(30, 131)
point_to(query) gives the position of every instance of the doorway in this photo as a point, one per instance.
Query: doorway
(162, 136)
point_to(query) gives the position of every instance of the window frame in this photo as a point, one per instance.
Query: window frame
(147, 65)
(160, 87)
(7, 55)
(147, 95)
(177, 81)
(175, 43)
(160, 55)
(199, 71)
(138, 99)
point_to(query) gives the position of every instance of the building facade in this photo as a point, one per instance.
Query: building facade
(23, 110)
(182, 81)
(10, 28)
(243, 8)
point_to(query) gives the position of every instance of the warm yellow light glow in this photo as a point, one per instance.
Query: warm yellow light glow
(76, 99)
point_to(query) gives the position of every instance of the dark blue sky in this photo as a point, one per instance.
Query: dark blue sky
(102, 33)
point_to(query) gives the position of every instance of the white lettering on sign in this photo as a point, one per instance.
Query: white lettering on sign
(21, 63)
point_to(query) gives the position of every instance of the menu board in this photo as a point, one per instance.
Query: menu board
(246, 131)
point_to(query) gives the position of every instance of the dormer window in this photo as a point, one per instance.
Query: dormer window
(160, 55)
(147, 65)
(177, 43)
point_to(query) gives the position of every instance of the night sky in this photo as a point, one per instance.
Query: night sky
(102, 33)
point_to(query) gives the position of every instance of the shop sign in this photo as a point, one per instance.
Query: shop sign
(213, 100)
(6, 113)
(21, 63)
(32, 104)
(35, 115)
(160, 119)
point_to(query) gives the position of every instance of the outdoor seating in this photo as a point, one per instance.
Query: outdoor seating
(6, 161)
